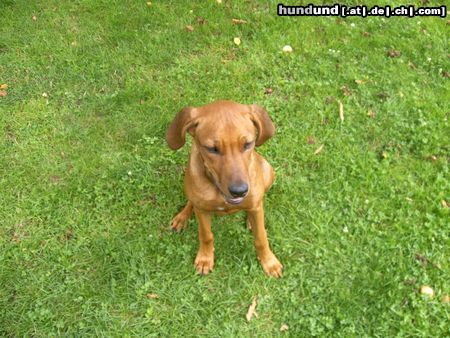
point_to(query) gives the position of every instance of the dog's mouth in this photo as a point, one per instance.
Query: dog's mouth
(235, 200)
(232, 200)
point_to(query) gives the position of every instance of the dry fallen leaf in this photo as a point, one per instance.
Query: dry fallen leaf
(67, 236)
(16, 237)
(3, 93)
(411, 65)
(152, 296)
(251, 310)
(4, 86)
(341, 111)
(238, 21)
(201, 21)
(149, 3)
(318, 150)
(346, 91)
(34, 17)
(237, 41)
(268, 91)
(189, 28)
(445, 204)
(360, 82)
(393, 53)
(310, 140)
(445, 299)
(284, 328)
(230, 57)
(219, 1)
(366, 34)
(371, 113)
(288, 49)
(422, 259)
(426, 291)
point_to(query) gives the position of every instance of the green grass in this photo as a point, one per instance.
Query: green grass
(88, 185)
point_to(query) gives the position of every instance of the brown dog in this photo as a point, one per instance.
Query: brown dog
(225, 174)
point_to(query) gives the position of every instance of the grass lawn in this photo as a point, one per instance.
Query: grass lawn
(88, 185)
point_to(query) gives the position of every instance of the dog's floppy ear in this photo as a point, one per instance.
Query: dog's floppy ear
(176, 133)
(263, 124)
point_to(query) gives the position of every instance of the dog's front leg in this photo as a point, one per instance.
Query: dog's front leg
(204, 261)
(269, 262)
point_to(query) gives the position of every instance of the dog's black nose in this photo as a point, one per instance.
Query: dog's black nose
(238, 190)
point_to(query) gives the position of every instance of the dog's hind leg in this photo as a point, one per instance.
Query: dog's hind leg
(180, 221)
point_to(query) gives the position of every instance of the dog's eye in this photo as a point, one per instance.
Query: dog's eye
(248, 145)
(213, 150)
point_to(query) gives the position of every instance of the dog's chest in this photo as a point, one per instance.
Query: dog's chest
(222, 211)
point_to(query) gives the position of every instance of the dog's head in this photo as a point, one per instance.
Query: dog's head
(225, 134)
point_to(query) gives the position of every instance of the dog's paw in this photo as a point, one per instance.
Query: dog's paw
(204, 263)
(179, 222)
(272, 266)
